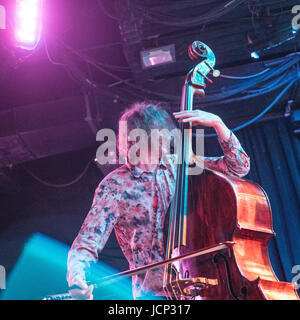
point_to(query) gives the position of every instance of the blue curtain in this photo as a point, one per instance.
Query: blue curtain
(275, 164)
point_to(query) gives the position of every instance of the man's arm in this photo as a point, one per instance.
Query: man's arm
(93, 235)
(235, 160)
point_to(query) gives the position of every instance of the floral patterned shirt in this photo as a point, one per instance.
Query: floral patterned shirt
(134, 203)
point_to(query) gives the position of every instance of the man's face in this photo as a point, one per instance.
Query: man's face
(138, 146)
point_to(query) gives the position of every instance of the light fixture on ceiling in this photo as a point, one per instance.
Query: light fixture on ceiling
(158, 56)
(254, 55)
(28, 23)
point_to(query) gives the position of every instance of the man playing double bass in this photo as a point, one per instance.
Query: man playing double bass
(134, 199)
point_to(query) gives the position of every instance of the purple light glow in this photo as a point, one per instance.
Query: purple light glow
(28, 23)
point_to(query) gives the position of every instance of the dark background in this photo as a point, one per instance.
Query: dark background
(87, 69)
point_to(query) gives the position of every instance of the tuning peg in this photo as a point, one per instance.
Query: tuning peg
(216, 73)
(204, 76)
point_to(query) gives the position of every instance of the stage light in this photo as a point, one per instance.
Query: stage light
(288, 108)
(28, 23)
(42, 267)
(270, 32)
(294, 30)
(254, 55)
(158, 56)
(295, 121)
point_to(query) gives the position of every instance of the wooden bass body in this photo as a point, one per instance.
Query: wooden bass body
(221, 209)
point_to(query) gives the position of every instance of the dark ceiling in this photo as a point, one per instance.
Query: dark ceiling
(87, 67)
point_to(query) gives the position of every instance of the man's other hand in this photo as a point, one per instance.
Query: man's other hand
(81, 291)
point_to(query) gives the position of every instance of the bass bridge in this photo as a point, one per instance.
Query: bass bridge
(191, 287)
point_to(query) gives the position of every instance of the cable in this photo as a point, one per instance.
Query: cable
(25, 145)
(115, 77)
(115, 67)
(49, 56)
(106, 12)
(90, 60)
(266, 109)
(79, 77)
(52, 185)
(244, 77)
(164, 19)
(252, 93)
(103, 46)
(262, 113)
(242, 87)
(257, 78)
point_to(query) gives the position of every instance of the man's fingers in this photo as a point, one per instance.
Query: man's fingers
(189, 115)
(81, 294)
(89, 290)
(81, 284)
(183, 113)
(77, 294)
(189, 119)
(81, 290)
(183, 116)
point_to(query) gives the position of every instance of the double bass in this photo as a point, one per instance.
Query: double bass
(227, 216)
(219, 225)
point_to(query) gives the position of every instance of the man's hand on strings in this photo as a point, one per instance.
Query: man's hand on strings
(207, 119)
(198, 117)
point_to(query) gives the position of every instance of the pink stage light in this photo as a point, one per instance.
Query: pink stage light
(28, 23)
